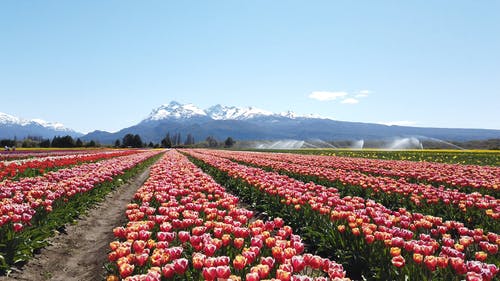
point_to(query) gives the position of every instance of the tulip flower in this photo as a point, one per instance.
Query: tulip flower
(398, 261)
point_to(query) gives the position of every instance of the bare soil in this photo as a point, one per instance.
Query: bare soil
(79, 252)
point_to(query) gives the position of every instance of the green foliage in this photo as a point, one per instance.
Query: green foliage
(130, 140)
(63, 142)
(7, 142)
(211, 141)
(189, 140)
(79, 143)
(91, 143)
(166, 141)
(229, 142)
(45, 143)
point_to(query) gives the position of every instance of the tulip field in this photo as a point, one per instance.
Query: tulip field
(380, 224)
(236, 215)
(182, 225)
(40, 193)
(464, 157)
(22, 167)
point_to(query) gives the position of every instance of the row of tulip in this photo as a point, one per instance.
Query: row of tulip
(451, 203)
(461, 157)
(31, 208)
(39, 165)
(184, 226)
(25, 154)
(426, 246)
(479, 178)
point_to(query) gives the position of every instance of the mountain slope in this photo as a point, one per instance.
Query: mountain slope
(15, 127)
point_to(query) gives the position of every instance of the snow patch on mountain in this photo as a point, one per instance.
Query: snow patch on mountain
(222, 112)
(175, 110)
(7, 119)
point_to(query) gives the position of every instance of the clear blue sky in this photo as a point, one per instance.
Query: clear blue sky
(106, 64)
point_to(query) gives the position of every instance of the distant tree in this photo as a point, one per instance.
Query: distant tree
(35, 138)
(28, 143)
(229, 142)
(137, 141)
(65, 142)
(55, 141)
(211, 141)
(78, 143)
(176, 139)
(151, 144)
(45, 143)
(173, 139)
(117, 143)
(166, 141)
(128, 140)
(91, 143)
(189, 140)
(7, 142)
(68, 141)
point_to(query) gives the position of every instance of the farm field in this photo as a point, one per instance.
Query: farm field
(466, 157)
(198, 214)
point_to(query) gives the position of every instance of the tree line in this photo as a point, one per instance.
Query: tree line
(175, 141)
(129, 140)
(57, 141)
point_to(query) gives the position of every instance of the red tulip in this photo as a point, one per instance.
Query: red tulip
(252, 276)
(223, 271)
(180, 265)
(238, 242)
(183, 236)
(481, 256)
(398, 261)
(315, 262)
(17, 227)
(430, 262)
(298, 263)
(126, 269)
(139, 246)
(283, 275)
(458, 265)
(239, 262)
(418, 258)
(395, 251)
(168, 270)
(141, 259)
(198, 260)
(209, 249)
(267, 261)
(209, 273)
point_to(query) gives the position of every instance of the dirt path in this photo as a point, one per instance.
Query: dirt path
(81, 253)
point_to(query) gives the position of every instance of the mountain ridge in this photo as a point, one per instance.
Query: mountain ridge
(15, 127)
(176, 110)
(250, 123)
(240, 123)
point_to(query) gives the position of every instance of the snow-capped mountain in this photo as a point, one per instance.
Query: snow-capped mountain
(52, 125)
(250, 123)
(12, 126)
(175, 110)
(221, 112)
